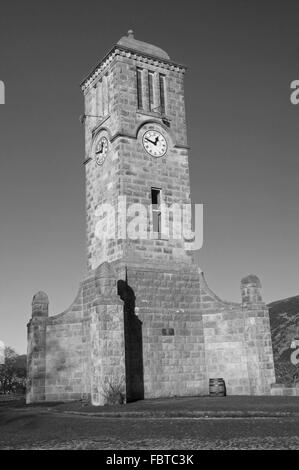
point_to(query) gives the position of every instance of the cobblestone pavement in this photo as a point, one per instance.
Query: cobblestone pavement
(43, 429)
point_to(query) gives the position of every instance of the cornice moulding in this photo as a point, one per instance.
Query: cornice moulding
(129, 53)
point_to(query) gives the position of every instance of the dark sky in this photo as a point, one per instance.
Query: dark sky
(242, 129)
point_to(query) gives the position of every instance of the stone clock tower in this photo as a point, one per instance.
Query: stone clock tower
(136, 153)
(144, 322)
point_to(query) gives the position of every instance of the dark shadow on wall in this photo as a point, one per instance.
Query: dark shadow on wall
(133, 344)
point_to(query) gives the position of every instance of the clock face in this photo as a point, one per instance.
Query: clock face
(100, 150)
(154, 143)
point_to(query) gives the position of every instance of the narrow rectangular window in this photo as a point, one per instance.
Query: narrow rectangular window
(139, 89)
(151, 90)
(105, 95)
(107, 92)
(162, 93)
(156, 210)
(93, 107)
(100, 98)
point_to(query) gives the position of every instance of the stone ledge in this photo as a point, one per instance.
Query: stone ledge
(284, 390)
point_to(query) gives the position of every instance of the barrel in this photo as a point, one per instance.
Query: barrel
(217, 387)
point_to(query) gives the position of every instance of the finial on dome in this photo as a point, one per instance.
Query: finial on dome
(130, 42)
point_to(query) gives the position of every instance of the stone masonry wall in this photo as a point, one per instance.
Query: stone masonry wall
(225, 349)
(210, 338)
(36, 360)
(64, 353)
(80, 352)
(155, 331)
(238, 341)
(168, 305)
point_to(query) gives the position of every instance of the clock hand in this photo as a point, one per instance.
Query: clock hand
(157, 140)
(151, 141)
(101, 149)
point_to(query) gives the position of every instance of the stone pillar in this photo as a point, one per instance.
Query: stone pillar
(258, 340)
(108, 373)
(36, 352)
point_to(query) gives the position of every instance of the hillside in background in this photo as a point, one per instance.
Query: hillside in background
(284, 321)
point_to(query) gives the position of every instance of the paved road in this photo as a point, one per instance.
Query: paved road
(45, 429)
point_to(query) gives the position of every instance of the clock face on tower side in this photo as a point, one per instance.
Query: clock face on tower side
(154, 143)
(100, 150)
